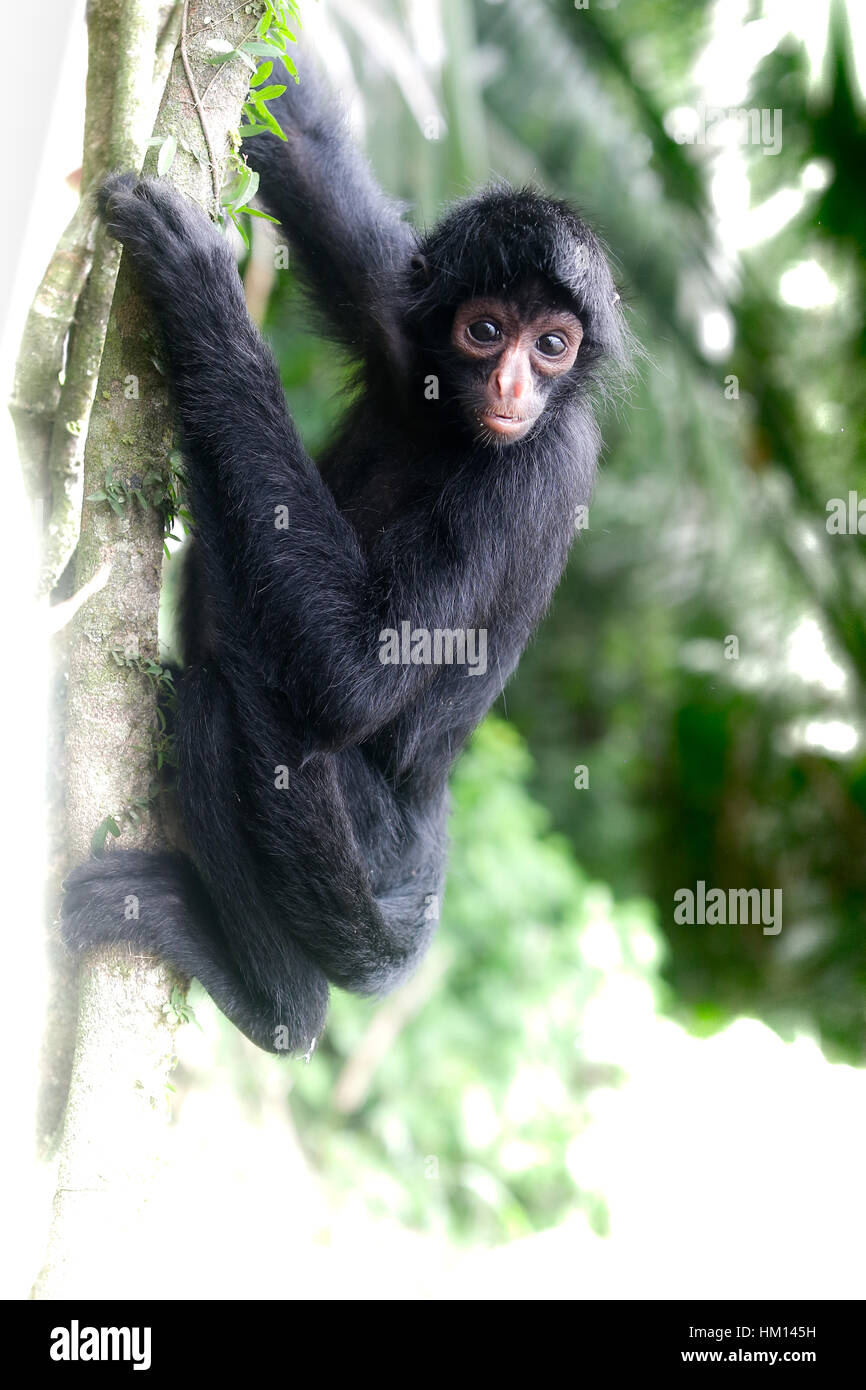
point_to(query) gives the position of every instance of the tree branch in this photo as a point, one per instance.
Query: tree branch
(51, 402)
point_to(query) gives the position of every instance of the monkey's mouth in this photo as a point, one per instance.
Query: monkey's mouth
(507, 425)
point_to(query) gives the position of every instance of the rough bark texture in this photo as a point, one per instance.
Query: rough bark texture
(113, 1123)
(54, 462)
(73, 302)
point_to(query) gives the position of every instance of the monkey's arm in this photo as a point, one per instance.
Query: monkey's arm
(284, 564)
(350, 240)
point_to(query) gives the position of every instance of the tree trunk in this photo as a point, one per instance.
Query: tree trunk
(127, 1016)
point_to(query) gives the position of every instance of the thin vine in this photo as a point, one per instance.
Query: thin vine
(184, 58)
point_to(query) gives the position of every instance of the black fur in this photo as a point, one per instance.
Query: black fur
(409, 517)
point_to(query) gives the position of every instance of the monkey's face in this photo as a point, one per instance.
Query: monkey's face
(511, 351)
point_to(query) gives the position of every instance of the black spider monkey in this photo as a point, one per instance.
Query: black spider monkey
(446, 503)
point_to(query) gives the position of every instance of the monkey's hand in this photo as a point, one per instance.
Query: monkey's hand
(164, 232)
(185, 266)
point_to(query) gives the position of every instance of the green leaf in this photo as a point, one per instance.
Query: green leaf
(270, 121)
(105, 828)
(265, 216)
(262, 50)
(234, 187)
(246, 131)
(165, 158)
(239, 193)
(269, 93)
(261, 73)
(242, 231)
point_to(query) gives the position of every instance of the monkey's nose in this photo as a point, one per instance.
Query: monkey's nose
(510, 381)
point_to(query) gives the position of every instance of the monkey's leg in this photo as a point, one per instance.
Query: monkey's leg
(216, 924)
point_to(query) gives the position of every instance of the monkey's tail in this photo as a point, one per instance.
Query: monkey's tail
(158, 904)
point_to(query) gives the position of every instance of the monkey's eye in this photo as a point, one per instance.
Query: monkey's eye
(483, 331)
(551, 345)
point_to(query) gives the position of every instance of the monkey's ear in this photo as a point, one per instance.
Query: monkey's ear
(420, 266)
